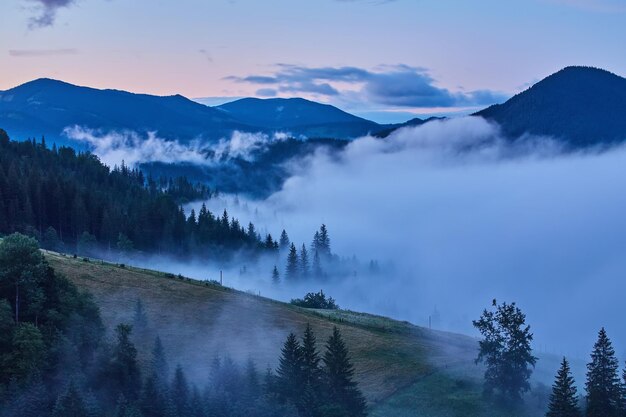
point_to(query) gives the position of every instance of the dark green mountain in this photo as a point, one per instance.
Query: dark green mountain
(580, 106)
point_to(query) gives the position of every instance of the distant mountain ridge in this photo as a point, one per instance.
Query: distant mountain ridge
(580, 106)
(46, 107)
(300, 117)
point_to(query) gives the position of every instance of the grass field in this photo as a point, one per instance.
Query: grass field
(404, 370)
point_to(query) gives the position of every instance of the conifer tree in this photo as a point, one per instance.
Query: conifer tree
(324, 241)
(315, 244)
(310, 358)
(317, 265)
(181, 392)
(275, 276)
(339, 375)
(289, 372)
(304, 263)
(284, 241)
(159, 362)
(125, 368)
(563, 400)
(603, 385)
(293, 267)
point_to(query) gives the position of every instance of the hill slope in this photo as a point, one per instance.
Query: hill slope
(46, 107)
(400, 367)
(581, 106)
(299, 116)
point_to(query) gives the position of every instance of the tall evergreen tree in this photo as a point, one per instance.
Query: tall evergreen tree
(293, 268)
(305, 268)
(275, 276)
(317, 265)
(563, 400)
(339, 375)
(284, 241)
(310, 357)
(324, 241)
(289, 372)
(181, 392)
(124, 365)
(159, 362)
(603, 384)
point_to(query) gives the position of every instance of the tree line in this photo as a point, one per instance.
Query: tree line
(72, 202)
(56, 362)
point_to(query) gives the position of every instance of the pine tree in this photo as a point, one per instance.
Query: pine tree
(180, 392)
(310, 358)
(339, 376)
(159, 362)
(603, 385)
(317, 265)
(275, 276)
(293, 267)
(324, 241)
(284, 241)
(289, 372)
(125, 368)
(304, 262)
(315, 244)
(563, 400)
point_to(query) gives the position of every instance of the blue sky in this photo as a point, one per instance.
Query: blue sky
(388, 60)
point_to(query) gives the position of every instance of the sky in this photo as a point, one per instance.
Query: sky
(387, 60)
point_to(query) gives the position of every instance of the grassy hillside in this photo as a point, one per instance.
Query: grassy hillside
(401, 368)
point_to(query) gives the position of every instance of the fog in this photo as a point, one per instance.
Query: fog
(135, 148)
(464, 217)
(455, 215)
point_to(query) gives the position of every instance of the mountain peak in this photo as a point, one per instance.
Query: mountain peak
(581, 106)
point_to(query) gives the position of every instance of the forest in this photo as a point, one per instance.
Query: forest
(56, 360)
(71, 202)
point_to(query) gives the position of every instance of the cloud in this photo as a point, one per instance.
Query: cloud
(465, 216)
(41, 52)
(48, 11)
(399, 85)
(134, 148)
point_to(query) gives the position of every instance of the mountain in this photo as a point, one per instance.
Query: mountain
(581, 106)
(300, 117)
(410, 123)
(46, 107)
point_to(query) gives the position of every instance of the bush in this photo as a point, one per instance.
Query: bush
(316, 300)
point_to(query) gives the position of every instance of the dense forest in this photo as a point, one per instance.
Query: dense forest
(56, 362)
(72, 202)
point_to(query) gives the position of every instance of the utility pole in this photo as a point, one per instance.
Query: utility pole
(221, 278)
